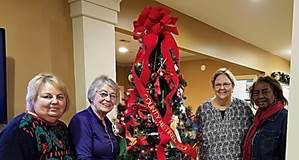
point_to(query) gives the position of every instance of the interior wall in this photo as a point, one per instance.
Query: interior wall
(39, 39)
(199, 86)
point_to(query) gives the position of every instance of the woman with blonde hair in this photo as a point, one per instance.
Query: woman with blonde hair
(38, 133)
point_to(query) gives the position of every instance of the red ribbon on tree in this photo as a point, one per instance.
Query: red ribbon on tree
(155, 22)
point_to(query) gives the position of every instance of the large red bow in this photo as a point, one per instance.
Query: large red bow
(154, 20)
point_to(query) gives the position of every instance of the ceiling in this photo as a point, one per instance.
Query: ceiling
(266, 24)
(126, 40)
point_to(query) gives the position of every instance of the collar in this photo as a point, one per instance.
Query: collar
(106, 119)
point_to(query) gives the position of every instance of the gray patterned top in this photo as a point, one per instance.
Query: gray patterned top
(222, 138)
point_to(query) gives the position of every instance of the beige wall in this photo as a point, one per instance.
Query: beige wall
(202, 38)
(122, 73)
(39, 39)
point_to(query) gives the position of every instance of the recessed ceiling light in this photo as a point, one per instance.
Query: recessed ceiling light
(123, 49)
(124, 40)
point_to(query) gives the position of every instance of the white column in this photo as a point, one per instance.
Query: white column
(93, 42)
(293, 119)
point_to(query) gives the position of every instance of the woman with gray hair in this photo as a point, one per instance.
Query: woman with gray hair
(224, 120)
(38, 133)
(91, 130)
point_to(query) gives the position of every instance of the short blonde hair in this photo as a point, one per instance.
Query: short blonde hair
(223, 71)
(37, 82)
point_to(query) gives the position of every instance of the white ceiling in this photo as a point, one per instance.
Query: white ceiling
(266, 24)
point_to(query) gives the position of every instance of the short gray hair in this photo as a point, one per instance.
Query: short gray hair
(98, 83)
(37, 82)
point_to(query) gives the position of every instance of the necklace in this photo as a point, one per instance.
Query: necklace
(223, 105)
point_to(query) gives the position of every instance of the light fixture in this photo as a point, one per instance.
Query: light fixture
(203, 67)
(255, 1)
(123, 49)
(289, 51)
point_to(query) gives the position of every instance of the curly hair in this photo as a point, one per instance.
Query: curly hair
(275, 86)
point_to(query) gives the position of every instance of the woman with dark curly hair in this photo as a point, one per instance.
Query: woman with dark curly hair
(266, 138)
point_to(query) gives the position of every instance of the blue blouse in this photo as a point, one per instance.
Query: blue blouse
(269, 142)
(91, 139)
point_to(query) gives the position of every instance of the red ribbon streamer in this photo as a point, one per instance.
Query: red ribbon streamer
(152, 23)
(149, 103)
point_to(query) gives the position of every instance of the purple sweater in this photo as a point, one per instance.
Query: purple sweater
(90, 138)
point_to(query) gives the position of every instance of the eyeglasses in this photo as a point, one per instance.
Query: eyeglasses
(219, 85)
(105, 94)
(264, 92)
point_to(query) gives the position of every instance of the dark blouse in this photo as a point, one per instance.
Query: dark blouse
(28, 137)
(91, 139)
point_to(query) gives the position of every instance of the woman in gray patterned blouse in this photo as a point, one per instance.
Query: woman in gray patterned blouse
(224, 120)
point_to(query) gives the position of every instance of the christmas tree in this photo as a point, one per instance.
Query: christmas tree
(154, 120)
